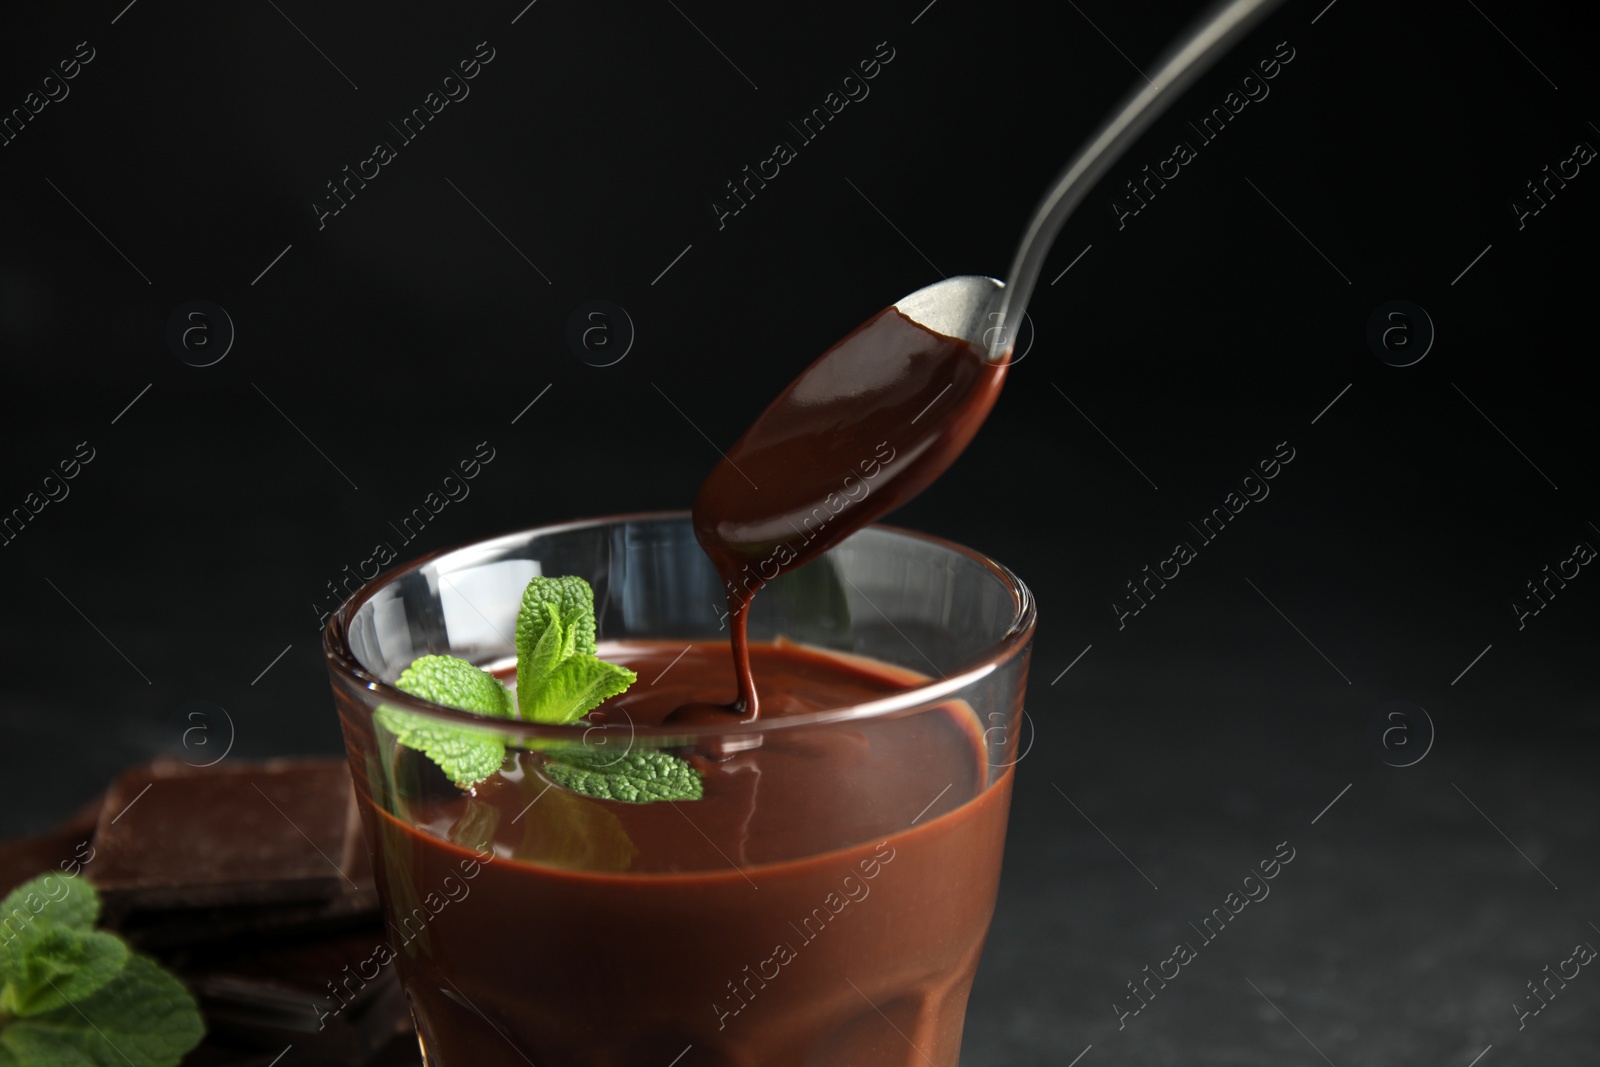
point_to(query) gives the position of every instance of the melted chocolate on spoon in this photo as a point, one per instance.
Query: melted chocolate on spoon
(862, 430)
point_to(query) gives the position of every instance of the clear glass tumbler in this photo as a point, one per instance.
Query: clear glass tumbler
(831, 913)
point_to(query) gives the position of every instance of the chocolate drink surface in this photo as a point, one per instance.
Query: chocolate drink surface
(824, 903)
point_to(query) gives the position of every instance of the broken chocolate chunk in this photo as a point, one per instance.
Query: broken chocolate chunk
(66, 849)
(336, 999)
(174, 836)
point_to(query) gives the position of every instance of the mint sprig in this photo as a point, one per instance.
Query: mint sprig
(570, 598)
(560, 679)
(77, 997)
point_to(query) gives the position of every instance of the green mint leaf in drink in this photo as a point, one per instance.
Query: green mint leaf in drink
(464, 755)
(559, 678)
(576, 687)
(57, 974)
(550, 643)
(640, 777)
(573, 600)
(144, 1017)
(455, 683)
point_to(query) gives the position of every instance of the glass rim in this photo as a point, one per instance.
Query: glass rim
(342, 660)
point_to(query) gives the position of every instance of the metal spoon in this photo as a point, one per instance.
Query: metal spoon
(880, 415)
(986, 311)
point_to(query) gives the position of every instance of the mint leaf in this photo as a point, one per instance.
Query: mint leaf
(59, 965)
(62, 899)
(466, 756)
(575, 688)
(28, 911)
(559, 678)
(544, 654)
(144, 1017)
(33, 1047)
(639, 777)
(574, 605)
(455, 683)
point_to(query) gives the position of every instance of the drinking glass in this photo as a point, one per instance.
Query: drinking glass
(579, 932)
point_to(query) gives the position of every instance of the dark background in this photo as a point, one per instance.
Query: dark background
(1223, 319)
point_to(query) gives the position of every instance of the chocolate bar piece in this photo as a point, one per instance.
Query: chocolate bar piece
(401, 1051)
(337, 999)
(62, 850)
(173, 928)
(173, 836)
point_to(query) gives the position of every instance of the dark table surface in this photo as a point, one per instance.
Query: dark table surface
(186, 565)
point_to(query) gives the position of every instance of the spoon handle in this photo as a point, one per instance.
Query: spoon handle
(1181, 65)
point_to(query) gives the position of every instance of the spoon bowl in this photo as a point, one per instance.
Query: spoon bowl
(956, 307)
